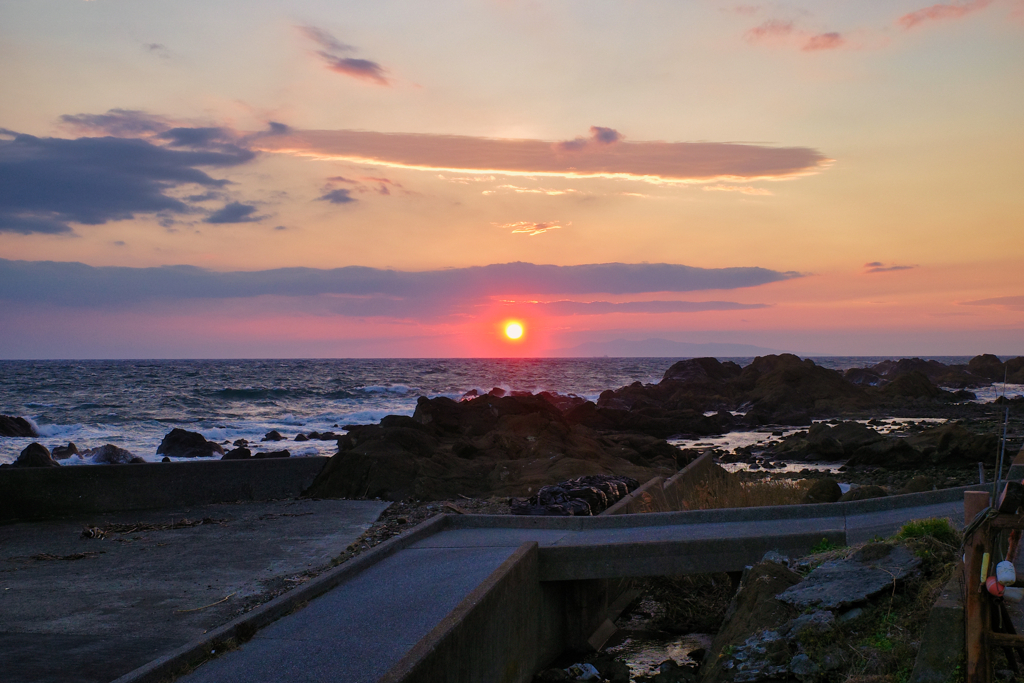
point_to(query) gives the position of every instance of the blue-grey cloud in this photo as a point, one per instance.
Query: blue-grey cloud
(879, 267)
(48, 183)
(357, 290)
(235, 212)
(339, 196)
(332, 50)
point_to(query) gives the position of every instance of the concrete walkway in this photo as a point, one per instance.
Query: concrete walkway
(364, 626)
(87, 610)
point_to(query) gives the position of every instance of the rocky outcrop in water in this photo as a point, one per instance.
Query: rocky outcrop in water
(16, 426)
(34, 455)
(110, 454)
(180, 443)
(489, 445)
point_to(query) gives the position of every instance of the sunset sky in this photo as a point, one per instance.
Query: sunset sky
(376, 179)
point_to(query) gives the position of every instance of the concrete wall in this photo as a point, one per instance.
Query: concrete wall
(492, 635)
(39, 492)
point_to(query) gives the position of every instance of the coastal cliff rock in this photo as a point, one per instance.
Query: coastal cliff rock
(949, 445)
(16, 426)
(180, 443)
(35, 455)
(490, 445)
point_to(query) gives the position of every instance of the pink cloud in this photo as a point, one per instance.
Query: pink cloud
(652, 161)
(770, 29)
(941, 12)
(824, 41)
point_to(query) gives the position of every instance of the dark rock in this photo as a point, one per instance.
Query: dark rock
(272, 454)
(273, 435)
(35, 455)
(240, 442)
(863, 493)
(919, 484)
(823, 491)
(16, 426)
(165, 459)
(240, 453)
(301, 437)
(864, 377)
(839, 583)
(180, 443)
(913, 384)
(590, 495)
(64, 452)
(109, 454)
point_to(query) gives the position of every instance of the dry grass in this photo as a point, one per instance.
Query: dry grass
(722, 490)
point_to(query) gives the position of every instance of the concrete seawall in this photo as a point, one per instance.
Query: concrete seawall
(40, 492)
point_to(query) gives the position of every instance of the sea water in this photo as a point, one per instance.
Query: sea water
(135, 403)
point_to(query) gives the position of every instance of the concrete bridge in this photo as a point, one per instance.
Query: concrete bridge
(472, 598)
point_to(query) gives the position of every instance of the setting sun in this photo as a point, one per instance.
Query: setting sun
(513, 330)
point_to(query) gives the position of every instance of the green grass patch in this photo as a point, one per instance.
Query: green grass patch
(938, 528)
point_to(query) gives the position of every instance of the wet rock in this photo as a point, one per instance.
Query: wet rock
(841, 583)
(109, 454)
(35, 455)
(180, 443)
(301, 437)
(272, 435)
(64, 452)
(240, 453)
(863, 493)
(823, 491)
(240, 442)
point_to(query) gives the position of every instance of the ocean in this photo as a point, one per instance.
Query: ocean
(134, 403)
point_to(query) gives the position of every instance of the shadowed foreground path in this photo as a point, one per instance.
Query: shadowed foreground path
(363, 627)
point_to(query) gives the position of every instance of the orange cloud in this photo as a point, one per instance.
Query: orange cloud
(531, 228)
(657, 162)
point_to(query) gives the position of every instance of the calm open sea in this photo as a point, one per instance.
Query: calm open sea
(134, 403)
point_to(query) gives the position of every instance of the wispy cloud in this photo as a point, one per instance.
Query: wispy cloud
(941, 12)
(788, 33)
(656, 162)
(744, 189)
(606, 307)
(332, 53)
(824, 41)
(879, 267)
(1013, 303)
(517, 189)
(528, 228)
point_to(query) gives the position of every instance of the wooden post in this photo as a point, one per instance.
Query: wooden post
(975, 603)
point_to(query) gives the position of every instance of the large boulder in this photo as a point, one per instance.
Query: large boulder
(110, 454)
(180, 443)
(35, 455)
(823, 491)
(16, 426)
